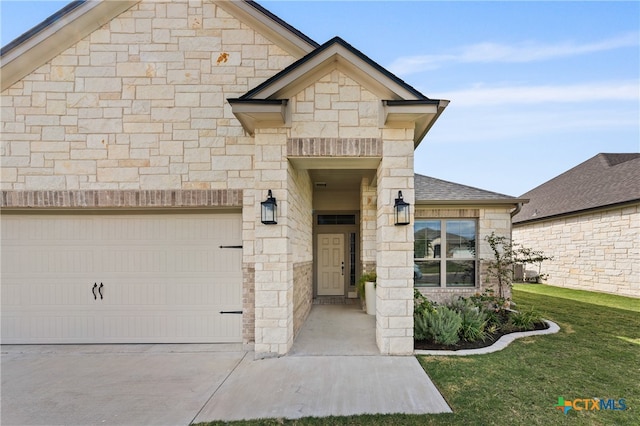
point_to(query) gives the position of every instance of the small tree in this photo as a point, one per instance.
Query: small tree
(526, 256)
(501, 266)
(505, 255)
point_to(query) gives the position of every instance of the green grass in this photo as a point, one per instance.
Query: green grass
(602, 299)
(595, 354)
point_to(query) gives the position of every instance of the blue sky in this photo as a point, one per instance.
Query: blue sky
(536, 88)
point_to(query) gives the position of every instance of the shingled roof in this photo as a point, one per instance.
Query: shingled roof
(603, 180)
(429, 189)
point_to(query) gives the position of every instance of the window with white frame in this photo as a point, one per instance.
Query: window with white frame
(445, 253)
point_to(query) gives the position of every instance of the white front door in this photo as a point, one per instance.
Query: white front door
(331, 267)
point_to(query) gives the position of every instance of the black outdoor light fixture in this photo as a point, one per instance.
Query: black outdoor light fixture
(401, 210)
(269, 210)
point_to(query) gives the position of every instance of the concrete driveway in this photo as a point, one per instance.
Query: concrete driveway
(111, 384)
(334, 368)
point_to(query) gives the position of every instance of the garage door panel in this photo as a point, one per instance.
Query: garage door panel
(164, 278)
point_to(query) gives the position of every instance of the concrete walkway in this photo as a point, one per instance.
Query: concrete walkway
(333, 369)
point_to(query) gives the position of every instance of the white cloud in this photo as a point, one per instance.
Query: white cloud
(495, 124)
(514, 95)
(503, 53)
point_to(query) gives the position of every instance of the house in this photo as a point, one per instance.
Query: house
(588, 219)
(144, 143)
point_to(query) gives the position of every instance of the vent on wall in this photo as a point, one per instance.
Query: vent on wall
(321, 184)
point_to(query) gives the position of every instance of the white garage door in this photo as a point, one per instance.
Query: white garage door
(121, 278)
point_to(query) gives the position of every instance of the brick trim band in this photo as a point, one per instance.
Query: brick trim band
(334, 147)
(121, 199)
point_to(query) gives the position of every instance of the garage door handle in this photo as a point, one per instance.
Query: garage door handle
(231, 312)
(100, 290)
(93, 290)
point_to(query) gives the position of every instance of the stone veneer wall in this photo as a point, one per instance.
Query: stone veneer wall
(497, 219)
(597, 251)
(368, 225)
(335, 106)
(301, 242)
(140, 104)
(394, 246)
(302, 293)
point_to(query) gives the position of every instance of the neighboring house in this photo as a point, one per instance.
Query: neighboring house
(588, 219)
(140, 140)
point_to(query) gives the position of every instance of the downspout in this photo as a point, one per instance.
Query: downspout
(517, 209)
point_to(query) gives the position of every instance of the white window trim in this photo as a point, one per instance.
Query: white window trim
(443, 252)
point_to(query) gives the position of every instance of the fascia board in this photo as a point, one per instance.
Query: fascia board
(58, 37)
(336, 56)
(471, 203)
(288, 40)
(253, 115)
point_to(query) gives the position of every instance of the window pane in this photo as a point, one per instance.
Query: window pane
(461, 273)
(427, 273)
(336, 219)
(461, 239)
(352, 259)
(427, 239)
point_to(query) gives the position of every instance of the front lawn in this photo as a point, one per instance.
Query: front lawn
(595, 354)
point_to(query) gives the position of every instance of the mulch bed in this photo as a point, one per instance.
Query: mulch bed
(490, 340)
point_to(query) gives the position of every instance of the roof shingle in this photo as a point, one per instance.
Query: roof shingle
(432, 189)
(603, 180)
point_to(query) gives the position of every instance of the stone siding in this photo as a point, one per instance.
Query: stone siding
(597, 251)
(394, 246)
(336, 106)
(302, 294)
(139, 104)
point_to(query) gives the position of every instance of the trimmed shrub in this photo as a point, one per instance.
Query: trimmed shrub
(473, 320)
(525, 320)
(444, 325)
(420, 326)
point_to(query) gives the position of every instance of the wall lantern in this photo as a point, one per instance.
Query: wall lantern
(401, 210)
(269, 210)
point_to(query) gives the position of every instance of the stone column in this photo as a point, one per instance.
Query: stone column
(273, 260)
(368, 225)
(394, 304)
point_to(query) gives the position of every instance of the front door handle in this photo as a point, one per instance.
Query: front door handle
(93, 290)
(100, 290)
(342, 267)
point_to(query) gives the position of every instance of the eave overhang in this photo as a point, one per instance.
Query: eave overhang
(54, 35)
(402, 105)
(257, 113)
(475, 203)
(421, 113)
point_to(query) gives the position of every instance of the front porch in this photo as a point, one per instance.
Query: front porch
(336, 329)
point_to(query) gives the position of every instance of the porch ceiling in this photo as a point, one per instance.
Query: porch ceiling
(369, 164)
(339, 180)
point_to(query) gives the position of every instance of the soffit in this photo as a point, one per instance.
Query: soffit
(339, 180)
